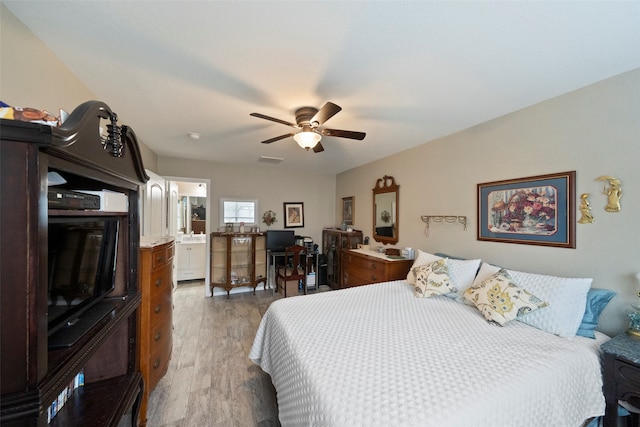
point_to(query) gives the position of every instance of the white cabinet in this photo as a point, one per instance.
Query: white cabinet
(153, 204)
(191, 260)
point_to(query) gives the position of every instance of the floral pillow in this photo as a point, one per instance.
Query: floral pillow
(423, 258)
(501, 300)
(432, 280)
(461, 272)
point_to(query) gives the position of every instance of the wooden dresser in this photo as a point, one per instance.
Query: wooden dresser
(364, 266)
(156, 284)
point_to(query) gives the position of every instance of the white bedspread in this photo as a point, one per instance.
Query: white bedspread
(377, 356)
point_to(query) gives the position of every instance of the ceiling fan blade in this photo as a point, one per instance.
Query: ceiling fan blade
(344, 134)
(277, 138)
(327, 111)
(318, 148)
(262, 116)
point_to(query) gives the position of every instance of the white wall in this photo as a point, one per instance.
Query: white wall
(32, 76)
(594, 131)
(272, 185)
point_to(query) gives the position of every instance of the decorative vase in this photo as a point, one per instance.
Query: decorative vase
(529, 223)
(634, 320)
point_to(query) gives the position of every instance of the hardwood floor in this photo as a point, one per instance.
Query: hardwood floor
(211, 381)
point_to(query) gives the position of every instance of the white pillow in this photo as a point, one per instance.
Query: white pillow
(485, 271)
(566, 299)
(461, 272)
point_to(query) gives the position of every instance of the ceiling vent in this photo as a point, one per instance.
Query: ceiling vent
(268, 159)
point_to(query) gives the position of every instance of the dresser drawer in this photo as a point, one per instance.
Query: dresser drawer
(161, 256)
(356, 275)
(159, 354)
(364, 262)
(160, 338)
(627, 382)
(160, 282)
(160, 309)
(628, 372)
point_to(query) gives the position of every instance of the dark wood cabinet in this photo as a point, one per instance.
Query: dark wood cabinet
(334, 241)
(33, 375)
(621, 371)
(360, 268)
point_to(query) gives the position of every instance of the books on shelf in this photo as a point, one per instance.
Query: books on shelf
(65, 394)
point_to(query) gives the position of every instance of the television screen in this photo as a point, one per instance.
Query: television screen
(279, 240)
(81, 265)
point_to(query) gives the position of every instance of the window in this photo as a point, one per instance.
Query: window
(238, 210)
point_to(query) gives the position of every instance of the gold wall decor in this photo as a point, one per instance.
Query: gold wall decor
(585, 209)
(613, 193)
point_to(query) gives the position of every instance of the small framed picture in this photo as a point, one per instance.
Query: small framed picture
(348, 210)
(293, 215)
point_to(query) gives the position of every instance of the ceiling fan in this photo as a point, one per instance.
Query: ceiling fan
(308, 120)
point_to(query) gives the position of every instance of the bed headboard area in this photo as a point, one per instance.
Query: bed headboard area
(572, 307)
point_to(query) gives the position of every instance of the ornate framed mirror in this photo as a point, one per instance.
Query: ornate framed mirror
(385, 210)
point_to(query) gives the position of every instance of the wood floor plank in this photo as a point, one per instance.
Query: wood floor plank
(210, 380)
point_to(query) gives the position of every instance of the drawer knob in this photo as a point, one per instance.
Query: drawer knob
(158, 283)
(159, 258)
(157, 309)
(374, 277)
(156, 364)
(157, 336)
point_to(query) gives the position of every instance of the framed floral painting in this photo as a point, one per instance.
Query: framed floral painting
(538, 210)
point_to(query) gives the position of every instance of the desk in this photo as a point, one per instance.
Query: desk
(272, 257)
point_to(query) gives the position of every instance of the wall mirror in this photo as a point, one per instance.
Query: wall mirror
(192, 214)
(385, 210)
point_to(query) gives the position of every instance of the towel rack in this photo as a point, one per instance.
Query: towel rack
(446, 218)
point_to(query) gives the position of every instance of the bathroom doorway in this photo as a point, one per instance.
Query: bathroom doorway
(189, 213)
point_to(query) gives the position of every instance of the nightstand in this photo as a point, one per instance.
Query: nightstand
(621, 363)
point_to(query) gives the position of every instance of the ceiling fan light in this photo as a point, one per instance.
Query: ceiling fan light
(307, 139)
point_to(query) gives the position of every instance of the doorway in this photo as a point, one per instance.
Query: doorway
(189, 212)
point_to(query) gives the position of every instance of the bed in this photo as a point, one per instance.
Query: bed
(377, 355)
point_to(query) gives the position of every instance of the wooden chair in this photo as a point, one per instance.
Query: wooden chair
(293, 270)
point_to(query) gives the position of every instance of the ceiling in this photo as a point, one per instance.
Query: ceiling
(403, 72)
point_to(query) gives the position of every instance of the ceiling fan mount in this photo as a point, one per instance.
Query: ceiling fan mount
(304, 116)
(308, 122)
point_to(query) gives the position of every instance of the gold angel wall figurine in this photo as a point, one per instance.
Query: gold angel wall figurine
(613, 193)
(585, 208)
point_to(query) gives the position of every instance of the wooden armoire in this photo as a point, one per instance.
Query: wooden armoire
(92, 152)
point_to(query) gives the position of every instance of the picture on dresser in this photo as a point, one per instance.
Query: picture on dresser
(537, 210)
